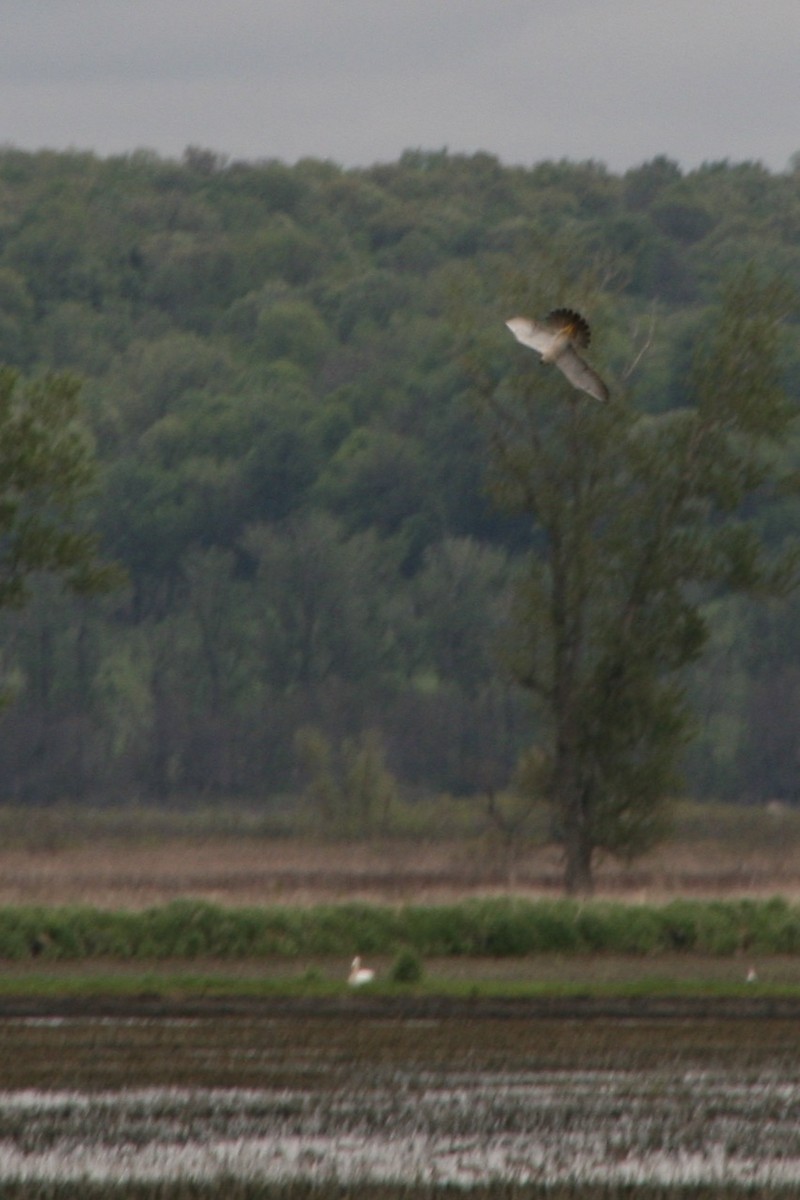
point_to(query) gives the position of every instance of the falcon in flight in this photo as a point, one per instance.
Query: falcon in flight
(556, 338)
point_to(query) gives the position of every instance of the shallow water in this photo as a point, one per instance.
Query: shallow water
(401, 1101)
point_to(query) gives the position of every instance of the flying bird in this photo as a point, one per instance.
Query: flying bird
(555, 338)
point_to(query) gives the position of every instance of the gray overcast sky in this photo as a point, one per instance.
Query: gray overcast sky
(359, 81)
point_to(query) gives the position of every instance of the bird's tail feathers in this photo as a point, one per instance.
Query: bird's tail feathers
(577, 326)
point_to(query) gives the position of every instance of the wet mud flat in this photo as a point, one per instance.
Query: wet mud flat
(358, 1006)
(362, 1091)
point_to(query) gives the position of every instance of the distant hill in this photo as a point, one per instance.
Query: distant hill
(275, 379)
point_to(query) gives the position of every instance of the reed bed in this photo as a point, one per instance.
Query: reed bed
(138, 857)
(494, 927)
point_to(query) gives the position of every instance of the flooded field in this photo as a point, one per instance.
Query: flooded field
(419, 1102)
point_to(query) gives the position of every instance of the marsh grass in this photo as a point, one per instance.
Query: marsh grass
(63, 826)
(610, 980)
(136, 857)
(494, 928)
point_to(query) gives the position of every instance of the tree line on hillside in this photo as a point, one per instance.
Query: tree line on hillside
(293, 478)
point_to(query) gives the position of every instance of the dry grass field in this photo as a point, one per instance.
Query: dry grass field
(53, 859)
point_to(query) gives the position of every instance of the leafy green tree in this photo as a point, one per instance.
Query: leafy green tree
(46, 469)
(376, 479)
(322, 602)
(350, 789)
(636, 518)
(215, 610)
(261, 340)
(461, 638)
(122, 685)
(293, 330)
(16, 318)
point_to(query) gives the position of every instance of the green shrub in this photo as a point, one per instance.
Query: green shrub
(554, 928)
(621, 928)
(493, 927)
(446, 929)
(719, 928)
(510, 929)
(407, 967)
(590, 927)
(679, 925)
(770, 927)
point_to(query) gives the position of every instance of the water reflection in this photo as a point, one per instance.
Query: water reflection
(410, 1125)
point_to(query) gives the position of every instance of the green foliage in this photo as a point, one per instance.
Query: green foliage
(288, 472)
(46, 468)
(507, 930)
(496, 928)
(635, 516)
(407, 967)
(351, 793)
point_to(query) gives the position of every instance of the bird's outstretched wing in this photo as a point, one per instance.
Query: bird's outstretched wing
(581, 375)
(536, 334)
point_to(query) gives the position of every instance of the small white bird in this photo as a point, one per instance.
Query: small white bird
(359, 975)
(555, 338)
(752, 975)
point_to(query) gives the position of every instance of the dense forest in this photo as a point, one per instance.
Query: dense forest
(292, 473)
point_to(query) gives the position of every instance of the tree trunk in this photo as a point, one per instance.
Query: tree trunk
(575, 827)
(578, 880)
(572, 804)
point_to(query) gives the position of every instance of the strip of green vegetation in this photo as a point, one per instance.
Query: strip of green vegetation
(62, 826)
(68, 825)
(168, 987)
(502, 928)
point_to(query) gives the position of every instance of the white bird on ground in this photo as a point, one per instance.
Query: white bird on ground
(752, 975)
(359, 975)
